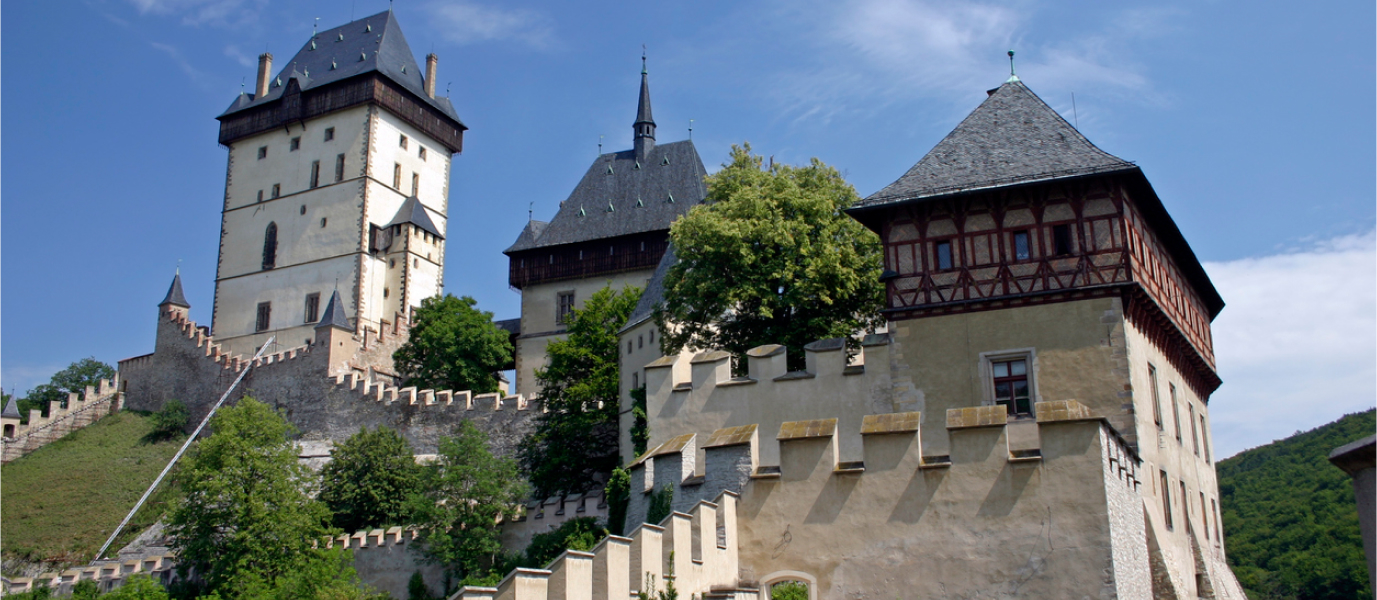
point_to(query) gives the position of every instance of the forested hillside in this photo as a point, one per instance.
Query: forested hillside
(1289, 516)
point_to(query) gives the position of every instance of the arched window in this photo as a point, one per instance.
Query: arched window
(270, 247)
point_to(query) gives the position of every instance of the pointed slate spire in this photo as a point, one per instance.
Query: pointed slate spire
(645, 124)
(334, 314)
(175, 297)
(12, 409)
(414, 213)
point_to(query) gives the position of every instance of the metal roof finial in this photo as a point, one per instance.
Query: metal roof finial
(530, 212)
(447, 88)
(315, 26)
(599, 145)
(643, 69)
(690, 128)
(1011, 64)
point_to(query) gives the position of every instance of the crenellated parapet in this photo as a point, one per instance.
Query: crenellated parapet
(543, 516)
(83, 409)
(108, 575)
(697, 548)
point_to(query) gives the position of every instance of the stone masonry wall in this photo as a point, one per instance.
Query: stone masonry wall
(82, 410)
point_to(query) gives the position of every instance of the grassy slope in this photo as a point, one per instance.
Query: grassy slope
(60, 503)
(1290, 519)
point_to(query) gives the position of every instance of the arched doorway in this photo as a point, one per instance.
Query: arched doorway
(789, 585)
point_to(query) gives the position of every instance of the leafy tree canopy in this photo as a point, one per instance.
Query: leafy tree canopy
(246, 515)
(769, 258)
(575, 534)
(464, 493)
(73, 379)
(453, 345)
(369, 479)
(170, 421)
(1290, 521)
(575, 441)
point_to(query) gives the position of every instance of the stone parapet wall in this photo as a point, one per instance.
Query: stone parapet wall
(82, 410)
(107, 574)
(543, 516)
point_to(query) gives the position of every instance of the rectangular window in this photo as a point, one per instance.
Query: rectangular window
(422, 152)
(1185, 503)
(1214, 508)
(403, 142)
(1166, 501)
(1011, 389)
(329, 133)
(566, 306)
(262, 152)
(1061, 240)
(312, 307)
(339, 168)
(396, 176)
(265, 313)
(277, 190)
(1156, 396)
(260, 195)
(295, 144)
(1205, 438)
(1175, 412)
(1204, 516)
(1021, 246)
(415, 183)
(943, 251)
(315, 174)
(1195, 432)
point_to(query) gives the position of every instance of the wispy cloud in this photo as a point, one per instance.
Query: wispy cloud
(197, 76)
(204, 12)
(868, 53)
(465, 22)
(239, 56)
(1295, 344)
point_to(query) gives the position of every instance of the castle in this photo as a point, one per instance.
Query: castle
(1032, 422)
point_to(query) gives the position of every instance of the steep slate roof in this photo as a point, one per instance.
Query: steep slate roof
(371, 44)
(12, 409)
(671, 170)
(334, 314)
(1013, 137)
(654, 293)
(528, 236)
(412, 211)
(175, 296)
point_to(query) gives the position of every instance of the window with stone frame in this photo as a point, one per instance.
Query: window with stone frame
(403, 141)
(396, 176)
(1195, 432)
(312, 307)
(565, 306)
(339, 168)
(315, 174)
(1166, 500)
(1156, 396)
(1176, 413)
(421, 152)
(1204, 438)
(415, 183)
(264, 320)
(1012, 385)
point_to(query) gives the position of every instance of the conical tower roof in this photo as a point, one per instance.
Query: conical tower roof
(413, 212)
(1013, 137)
(175, 297)
(334, 314)
(12, 409)
(643, 106)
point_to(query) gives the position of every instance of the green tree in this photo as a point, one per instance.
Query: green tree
(575, 534)
(465, 492)
(618, 495)
(640, 425)
(245, 515)
(453, 345)
(320, 574)
(416, 588)
(73, 379)
(769, 258)
(789, 590)
(170, 421)
(661, 505)
(138, 587)
(369, 479)
(575, 440)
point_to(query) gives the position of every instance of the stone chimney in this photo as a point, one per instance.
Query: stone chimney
(265, 69)
(431, 61)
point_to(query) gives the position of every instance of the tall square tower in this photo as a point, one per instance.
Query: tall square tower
(337, 179)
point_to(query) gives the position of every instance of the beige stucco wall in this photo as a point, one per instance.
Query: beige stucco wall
(323, 232)
(539, 304)
(640, 345)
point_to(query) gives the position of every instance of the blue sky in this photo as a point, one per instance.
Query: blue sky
(1255, 123)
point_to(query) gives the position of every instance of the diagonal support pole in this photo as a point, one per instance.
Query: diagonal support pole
(185, 445)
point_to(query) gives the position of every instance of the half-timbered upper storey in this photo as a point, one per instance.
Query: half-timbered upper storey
(1016, 207)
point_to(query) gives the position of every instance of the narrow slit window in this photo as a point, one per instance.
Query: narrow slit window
(1021, 251)
(312, 307)
(1204, 516)
(943, 251)
(396, 176)
(295, 144)
(264, 318)
(329, 133)
(260, 195)
(1061, 240)
(1204, 438)
(1175, 412)
(277, 190)
(270, 246)
(415, 183)
(339, 168)
(1156, 396)
(1195, 432)
(1166, 500)
(315, 174)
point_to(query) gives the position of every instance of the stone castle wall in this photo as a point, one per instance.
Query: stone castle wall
(328, 390)
(82, 410)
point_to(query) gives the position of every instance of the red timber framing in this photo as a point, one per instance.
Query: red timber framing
(1112, 253)
(297, 106)
(587, 259)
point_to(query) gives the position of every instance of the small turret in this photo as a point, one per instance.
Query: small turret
(334, 334)
(175, 301)
(645, 124)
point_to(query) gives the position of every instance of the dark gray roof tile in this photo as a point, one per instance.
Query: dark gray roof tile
(175, 296)
(334, 314)
(654, 293)
(413, 212)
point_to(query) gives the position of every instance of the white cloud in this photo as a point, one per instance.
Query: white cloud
(1295, 344)
(176, 55)
(240, 56)
(465, 22)
(200, 12)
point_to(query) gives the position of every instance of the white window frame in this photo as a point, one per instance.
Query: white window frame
(987, 360)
